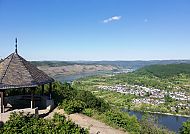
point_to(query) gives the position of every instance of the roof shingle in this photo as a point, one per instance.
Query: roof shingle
(16, 72)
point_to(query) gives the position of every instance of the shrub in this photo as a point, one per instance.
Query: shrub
(27, 124)
(123, 120)
(185, 129)
(88, 111)
(92, 101)
(73, 106)
(64, 93)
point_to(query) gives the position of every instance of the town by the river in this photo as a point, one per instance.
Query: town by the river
(171, 122)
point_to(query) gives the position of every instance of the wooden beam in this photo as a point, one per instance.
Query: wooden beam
(50, 90)
(42, 90)
(23, 91)
(2, 102)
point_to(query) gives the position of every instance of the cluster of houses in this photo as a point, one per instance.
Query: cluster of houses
(147, 95)
(148, 101)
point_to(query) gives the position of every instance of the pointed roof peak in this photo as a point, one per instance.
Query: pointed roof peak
(16, 51)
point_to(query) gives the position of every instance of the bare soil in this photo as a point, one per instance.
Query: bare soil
(94, 126)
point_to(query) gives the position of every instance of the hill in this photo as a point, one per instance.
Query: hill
(52, 63)
(170, 77)
(173, 77)
(165, 71)
(66, 70)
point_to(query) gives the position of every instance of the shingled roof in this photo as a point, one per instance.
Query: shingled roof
(16, 72)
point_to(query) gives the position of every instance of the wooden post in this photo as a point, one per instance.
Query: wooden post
(32, 98)
(2, 102)
(42, 90)
(50, 90)
(23, 91)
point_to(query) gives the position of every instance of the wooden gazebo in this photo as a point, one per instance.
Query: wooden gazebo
(17, 73)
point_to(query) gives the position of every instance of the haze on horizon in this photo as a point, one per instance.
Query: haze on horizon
(96, 29)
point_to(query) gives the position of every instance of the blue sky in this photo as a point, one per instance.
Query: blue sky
(96, 29)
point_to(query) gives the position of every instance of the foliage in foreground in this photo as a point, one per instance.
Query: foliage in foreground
(27, 124)
(185, 128)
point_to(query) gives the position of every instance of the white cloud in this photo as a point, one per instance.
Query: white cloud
(145, 20)
(113, 18)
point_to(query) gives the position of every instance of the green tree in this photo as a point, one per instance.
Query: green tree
(168, 99)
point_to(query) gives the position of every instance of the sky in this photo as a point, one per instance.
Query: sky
(96, 29)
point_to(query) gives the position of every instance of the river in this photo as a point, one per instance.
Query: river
(169, 121)
(70, 78)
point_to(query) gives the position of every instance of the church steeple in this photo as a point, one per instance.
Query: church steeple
(16, 46)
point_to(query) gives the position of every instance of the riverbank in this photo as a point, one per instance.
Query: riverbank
(187, 116)
(169, 114)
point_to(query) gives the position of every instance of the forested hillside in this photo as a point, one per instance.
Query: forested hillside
(168, 77)
(165, 71)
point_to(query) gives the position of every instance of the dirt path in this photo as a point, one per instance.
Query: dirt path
(96, 127)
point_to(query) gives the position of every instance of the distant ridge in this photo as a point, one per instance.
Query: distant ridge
(127, 64)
